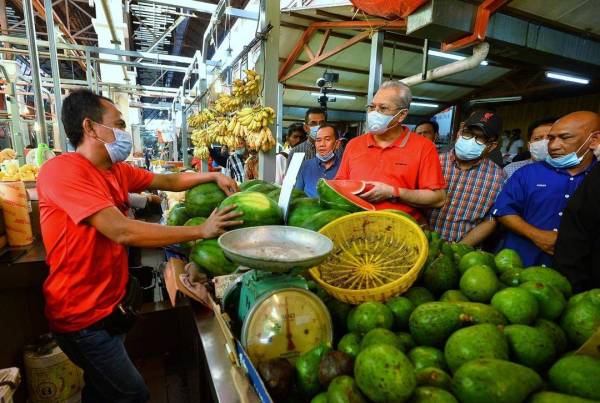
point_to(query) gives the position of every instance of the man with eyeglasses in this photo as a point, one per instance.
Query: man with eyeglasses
(533, 200)
(313, 120)
(402, 167)
(473, 180)
(83, 216)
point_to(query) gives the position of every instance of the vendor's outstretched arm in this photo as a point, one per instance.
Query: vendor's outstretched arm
(187, 180)
(422, 198)
(122, 230)
(479, 233)
(545, 240)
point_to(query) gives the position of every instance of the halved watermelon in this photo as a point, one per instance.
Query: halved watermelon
(343, 195)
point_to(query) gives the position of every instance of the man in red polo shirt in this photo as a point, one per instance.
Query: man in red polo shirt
(83, 214)
(403, 167)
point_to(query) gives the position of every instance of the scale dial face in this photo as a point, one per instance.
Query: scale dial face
(286, 323)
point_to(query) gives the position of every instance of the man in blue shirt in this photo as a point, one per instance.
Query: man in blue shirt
(532, 202)
(325, 164)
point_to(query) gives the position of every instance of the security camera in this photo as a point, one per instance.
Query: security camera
(321, 82)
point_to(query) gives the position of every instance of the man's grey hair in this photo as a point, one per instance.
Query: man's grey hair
(403, 94)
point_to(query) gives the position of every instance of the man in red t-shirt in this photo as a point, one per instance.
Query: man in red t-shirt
(402, 166)
(83, 213)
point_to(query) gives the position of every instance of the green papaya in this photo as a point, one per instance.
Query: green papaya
(343, 389)
(429, 394)
(550, 300)
(549, 276)
(530, 346)
(440, 275)
(494, 381)
(433, 322)
(473, 342)
(576, 375)
(307, 369)
(432, 376)
(424, 357)
(556, 334)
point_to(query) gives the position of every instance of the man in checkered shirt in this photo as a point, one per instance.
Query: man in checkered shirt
(473, 180)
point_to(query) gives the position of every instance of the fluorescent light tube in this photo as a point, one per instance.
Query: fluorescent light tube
(451, 56)
(333, 94)
(424, 104)
(566, 77)
(498, 99)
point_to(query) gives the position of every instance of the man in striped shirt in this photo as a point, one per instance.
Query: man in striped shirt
(473, 181)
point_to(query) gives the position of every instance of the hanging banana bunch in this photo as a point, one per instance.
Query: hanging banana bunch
(227, 104)
(201, 118)
(247, 89)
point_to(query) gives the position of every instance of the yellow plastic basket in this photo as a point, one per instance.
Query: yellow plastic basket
(376, 256)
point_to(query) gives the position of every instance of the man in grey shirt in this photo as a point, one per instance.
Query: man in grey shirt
(313, 120)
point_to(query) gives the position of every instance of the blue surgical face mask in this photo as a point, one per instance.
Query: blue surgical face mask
(568, 161)
(313, 131)
(240, 151)
(119, 149)
(468, 149)
(327, 157)
(539, 150)
(377, 123)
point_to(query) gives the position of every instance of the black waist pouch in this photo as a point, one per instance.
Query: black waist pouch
(127, 311)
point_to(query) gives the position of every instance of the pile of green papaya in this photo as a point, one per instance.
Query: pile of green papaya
(474, 328)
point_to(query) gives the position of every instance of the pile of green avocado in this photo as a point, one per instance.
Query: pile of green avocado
(475, 328)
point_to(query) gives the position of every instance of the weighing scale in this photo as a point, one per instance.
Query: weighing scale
(279, 317)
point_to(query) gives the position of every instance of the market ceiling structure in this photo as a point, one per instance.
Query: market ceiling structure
(177, 27)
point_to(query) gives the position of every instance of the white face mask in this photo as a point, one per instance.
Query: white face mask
(596, 152)
(539, 150)
(377, 123)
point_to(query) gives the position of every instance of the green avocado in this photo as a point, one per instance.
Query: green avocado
(381, 336)
(384, 374)
(433, 322)
(517, 304)
(553, 397)
(401, 307)
(453, 296)
(479, 283)
(343, 389)
(320, 398)
(476, 258)
(473, 342)
(494, 381)
(406, 341)
(530, 346)
(547, 276)
(368, 316)
(511, 277)
(478, 313)
(424, 357)
(507, 259)
(556, 334)
(350, 344)
(441, 275)
(419, 295)
(307, 369)
(550, 300)
(432, 376)
(576, 375)
(581, 320)
(577, 298)
(430, 394)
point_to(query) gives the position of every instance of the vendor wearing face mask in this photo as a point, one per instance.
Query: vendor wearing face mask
(236, 161)
(83, 216)
(537, 145)
(473, 180)
(324, 165)
(532, 202)
(313, 120)
(403, 167)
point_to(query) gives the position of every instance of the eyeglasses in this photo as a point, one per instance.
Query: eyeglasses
(479, 139)
(386, 110)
